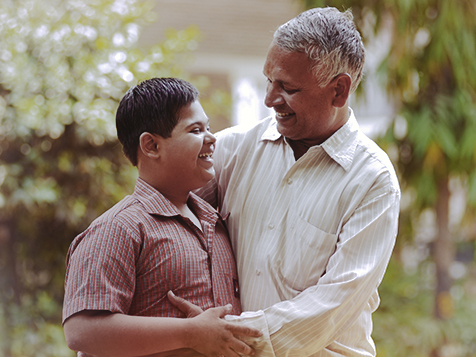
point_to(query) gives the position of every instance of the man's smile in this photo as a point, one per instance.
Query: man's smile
(283, 115)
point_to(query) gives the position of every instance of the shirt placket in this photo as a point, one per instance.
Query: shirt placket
(277, 220)
(208, 231)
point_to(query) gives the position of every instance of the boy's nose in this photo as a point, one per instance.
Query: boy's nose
(210, 138)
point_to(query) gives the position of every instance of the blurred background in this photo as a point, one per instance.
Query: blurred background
(65, 64)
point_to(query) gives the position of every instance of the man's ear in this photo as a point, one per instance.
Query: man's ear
(149, 145)
(342, 85)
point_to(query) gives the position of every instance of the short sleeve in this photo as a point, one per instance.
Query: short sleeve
(100, 272)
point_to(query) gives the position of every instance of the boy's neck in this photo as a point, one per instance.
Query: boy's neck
(186, 211)
(169, 190)
(179, 200)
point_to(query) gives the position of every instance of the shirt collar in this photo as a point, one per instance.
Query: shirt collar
(156, 203)
(153, 201)
(271, 133)
(340, 146)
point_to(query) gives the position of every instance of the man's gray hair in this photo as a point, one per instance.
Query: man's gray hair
(330, 39)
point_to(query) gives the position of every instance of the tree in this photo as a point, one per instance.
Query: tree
(430, 72)
(64, 65)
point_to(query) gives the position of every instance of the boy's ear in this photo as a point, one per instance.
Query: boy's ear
(149, 145)
(342, 85)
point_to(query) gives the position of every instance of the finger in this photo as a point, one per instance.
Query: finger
(239, 347)
(221, 311)
(240, 330)
(183, 305)
(228, 308)
(232, 353)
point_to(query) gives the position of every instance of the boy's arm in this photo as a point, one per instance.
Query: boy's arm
(102, 333)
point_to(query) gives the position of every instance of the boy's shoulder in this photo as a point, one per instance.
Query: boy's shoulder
(120, 220)
(123, 211)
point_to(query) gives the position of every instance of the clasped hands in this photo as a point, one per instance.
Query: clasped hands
(212, 334)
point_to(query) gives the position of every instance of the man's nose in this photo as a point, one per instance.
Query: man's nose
(273, 97)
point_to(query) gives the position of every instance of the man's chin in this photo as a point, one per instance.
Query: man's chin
(285, 131)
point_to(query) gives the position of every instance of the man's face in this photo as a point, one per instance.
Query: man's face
(304, 110)
(187, 155)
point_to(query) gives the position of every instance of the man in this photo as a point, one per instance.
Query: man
(161, 238)
(312, 203)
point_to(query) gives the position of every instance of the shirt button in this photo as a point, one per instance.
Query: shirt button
(290, 181)
(271, 226)
(219, 300)
(258, 272)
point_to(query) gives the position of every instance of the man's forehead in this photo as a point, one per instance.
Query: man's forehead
(286, 66)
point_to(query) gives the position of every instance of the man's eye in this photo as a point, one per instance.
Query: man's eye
(290, 91)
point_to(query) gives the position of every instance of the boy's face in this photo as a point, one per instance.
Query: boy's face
(187, 155)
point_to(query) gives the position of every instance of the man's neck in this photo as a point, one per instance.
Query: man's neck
(299, 148)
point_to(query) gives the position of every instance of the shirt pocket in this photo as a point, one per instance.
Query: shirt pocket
(303, 254)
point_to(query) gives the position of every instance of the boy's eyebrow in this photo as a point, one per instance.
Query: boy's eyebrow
(199, 122)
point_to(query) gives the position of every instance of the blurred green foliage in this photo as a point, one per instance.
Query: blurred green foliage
(64, 65)
(428, 294)
(404, 324)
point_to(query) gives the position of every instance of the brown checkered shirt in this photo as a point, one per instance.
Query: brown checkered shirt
(133, 254)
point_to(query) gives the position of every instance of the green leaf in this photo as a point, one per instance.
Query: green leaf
(445, 137)
(472, 189)
(420, 129)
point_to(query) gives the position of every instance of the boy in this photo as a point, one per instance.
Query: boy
(161, 238)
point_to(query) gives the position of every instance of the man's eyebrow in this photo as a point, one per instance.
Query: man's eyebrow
(281, 81)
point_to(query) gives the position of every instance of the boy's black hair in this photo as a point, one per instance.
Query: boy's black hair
(151, 106)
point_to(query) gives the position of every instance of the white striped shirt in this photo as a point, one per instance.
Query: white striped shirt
(312, 237)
